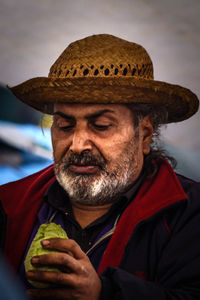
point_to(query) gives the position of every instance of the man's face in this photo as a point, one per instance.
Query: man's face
(97, 152)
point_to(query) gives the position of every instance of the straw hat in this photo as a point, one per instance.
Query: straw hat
(105, 69)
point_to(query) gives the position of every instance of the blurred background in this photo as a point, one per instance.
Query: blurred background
(35, 32)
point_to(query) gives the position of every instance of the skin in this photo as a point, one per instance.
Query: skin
(101, 129)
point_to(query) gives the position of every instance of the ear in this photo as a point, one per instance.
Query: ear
(146, 128)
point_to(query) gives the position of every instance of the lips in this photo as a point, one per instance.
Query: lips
(84, 169)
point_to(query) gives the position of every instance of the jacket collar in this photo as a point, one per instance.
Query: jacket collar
(153, 196)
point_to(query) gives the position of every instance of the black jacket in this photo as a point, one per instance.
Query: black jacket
(162, 259)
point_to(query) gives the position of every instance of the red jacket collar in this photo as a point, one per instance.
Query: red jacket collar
(154, 195)
(21, 200)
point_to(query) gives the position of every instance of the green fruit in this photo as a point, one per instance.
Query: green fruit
(45, 231)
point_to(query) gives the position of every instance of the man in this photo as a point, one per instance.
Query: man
(132, 223)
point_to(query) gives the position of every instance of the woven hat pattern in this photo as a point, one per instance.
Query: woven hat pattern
(97, 57)
(106, 69)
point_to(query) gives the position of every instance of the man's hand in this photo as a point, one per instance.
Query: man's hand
(77, 280)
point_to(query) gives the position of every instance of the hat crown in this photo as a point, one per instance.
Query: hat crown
(103, 55)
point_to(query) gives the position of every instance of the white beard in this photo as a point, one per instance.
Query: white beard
(105, 186)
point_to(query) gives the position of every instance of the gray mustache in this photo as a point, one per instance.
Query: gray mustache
(85, 159)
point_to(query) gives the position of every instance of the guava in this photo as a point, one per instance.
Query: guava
(45, 231)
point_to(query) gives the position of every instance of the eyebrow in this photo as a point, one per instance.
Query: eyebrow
(88, 116)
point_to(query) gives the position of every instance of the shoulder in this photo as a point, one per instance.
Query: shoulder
(191, 187)
(186, 212)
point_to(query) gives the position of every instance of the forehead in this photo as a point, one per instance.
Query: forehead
(118, 111)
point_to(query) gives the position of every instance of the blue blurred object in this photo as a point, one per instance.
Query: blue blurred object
(10, 287)
(25, 149)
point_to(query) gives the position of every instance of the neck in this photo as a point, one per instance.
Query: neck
(85, 214)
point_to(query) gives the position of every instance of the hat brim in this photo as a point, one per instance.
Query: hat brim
(40, 92)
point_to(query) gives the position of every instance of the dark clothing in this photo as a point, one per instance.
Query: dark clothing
(58, 199)
(154, 252)
(162, 259)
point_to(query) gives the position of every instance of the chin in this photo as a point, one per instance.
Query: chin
(91, 190)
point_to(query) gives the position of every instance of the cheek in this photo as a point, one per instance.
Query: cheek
(123, 142)
(114, 148)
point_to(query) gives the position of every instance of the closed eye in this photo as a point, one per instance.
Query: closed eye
(101, 127)
(64, 125)
(66, 128)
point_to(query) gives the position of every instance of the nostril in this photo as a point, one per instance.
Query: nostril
(80, 142)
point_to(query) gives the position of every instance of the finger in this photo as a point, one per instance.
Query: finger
(62, 261)
(52, 278)
(64, 245)
(50, 294)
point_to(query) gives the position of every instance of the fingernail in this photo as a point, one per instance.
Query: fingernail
(29, 273)
(35, 259)
(45, 242)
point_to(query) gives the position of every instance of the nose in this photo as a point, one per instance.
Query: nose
(80, 141)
